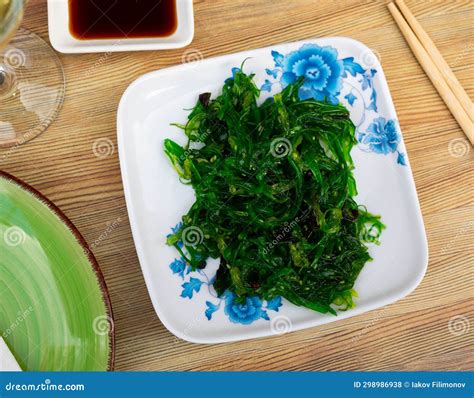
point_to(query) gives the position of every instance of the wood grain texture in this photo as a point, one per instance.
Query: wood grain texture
(412, 334)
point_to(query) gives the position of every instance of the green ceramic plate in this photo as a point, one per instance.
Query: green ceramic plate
(55, 312)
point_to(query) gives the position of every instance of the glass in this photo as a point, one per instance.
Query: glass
(32, 83)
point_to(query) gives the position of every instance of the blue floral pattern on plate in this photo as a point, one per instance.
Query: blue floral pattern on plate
(382, 137)
(325, 77)
(247, 312)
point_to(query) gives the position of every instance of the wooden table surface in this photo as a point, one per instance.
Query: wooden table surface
(412, 334)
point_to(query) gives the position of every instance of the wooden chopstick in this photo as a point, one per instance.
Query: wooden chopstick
(432, 71)
(438, 59)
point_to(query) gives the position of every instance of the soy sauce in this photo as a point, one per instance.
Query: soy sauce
(118, 19)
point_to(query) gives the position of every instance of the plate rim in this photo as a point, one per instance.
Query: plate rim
(411, 192)
(90, 256)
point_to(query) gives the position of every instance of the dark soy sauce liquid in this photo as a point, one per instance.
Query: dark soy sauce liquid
(115, 19)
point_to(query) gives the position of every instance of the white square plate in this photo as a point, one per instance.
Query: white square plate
(63, 41)
(185, 301)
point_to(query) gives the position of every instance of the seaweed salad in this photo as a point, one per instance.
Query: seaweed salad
(274, 196)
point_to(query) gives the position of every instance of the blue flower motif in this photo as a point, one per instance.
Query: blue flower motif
(320, 67)
(381, 136)
(373, 102)
(271, 72)
(234, 71)
(178, 266)
(194, 285)
(350, 98)
(247, 312)
(352, 67)
(278, 58)
(175, 229)
(401, 159)
(366, 82)
(211, 308)
(274, 304)
(267, 86)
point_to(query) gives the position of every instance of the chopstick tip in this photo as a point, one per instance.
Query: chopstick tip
(391, 6)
